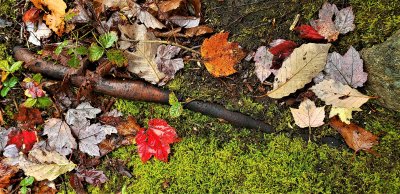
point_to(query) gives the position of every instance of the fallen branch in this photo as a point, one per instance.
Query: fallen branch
(134, 90)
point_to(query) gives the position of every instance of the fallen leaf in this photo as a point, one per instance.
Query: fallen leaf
(81, 16)
(89, 137)
(42, 164)
(282, 48)
(307, 32)
(346, 69)
(220, 56)
(55, 20)
(156, 140)
(32, 15)
(339, 95)
(134, 10)
(35, 35)
(142, 61)
(128, 127)
(4, 137)
(22, 139)
(169, 5)
(45, 187)
(166, 64)
(185, 21)
(80, 114)
(198, 31)
(7, 172)
(308, 115)
(345, 114)
(59, 136)
(263, 62)
(299, 69)
(93, 177)
(344, 20)
(196, 6)
(11, 151)
(29, 117)
(356, 137)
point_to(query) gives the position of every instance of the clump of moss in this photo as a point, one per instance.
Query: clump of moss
(7, 9)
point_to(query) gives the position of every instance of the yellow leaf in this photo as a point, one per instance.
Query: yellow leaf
(343, 113)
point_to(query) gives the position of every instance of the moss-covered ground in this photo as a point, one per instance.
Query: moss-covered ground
(215, 157)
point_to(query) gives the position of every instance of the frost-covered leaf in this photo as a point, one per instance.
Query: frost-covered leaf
(142, 61)
(339, 95)
(263, 62)
(345, 114)
(59, 136)
(80, 114)
(299, 69)
(166, 64)
(43, 164)
(36, 34)
(308, 115)
(346, 69)
(185, 21)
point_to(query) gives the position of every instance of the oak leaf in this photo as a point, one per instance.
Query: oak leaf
(339, 95)
(299, 69)
(220, 56)
(308, 115)
(55, 20)
(42, 164)
(355, 137)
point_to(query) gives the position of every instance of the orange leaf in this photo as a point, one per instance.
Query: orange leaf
(55, 20)
(220, 55)
(356, 137)
(31, 15)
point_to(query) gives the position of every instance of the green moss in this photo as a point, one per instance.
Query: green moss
(3, 51)
(7, 8)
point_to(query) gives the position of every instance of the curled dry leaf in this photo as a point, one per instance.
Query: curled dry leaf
(198, 31)
(42, 164)
(299, 69)
(339, 95)
(55, 20)
(308, 115)
(356, 137)
(220, 56)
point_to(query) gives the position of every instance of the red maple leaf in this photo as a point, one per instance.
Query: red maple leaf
(307, 32)
(23, 139)
(281, 52)
(156, 140)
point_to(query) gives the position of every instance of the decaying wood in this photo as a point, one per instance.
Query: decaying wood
(133, 90)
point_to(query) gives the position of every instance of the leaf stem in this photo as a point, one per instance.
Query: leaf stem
(171, 43)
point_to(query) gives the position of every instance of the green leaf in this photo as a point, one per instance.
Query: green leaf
(4, 65)
(116, 57)
(81, 50)
(27, 181)
(70, 51)
(44, 102)
(16, 66)
(5, 91)
(37, 78)
(95, 52)
(69, 15)
(60, 47)
(23, 190)
(73, 62)
(107, 40)
(12, 82)
(30, 102)
(172, 99)
(175, 110)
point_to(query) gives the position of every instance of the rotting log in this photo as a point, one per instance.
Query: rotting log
(134, 90)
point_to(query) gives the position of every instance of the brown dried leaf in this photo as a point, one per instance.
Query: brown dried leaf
(6, 172)
(198, 31)
(169, 5)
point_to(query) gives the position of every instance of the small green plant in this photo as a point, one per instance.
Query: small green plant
(107, 40)
(7, 69)
(36, 95)
(27, 181)
(7, 85)
(176, 108)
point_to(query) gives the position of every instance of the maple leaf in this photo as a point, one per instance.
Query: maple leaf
(142, 60)
(29, 117)
(166, 64)
(282, 48)
(345, 114)
(346, 69)
(93, 177)
(22, 139)
(89, 137)
(55, 20)
(128, 127)
(80, 114)
(299, 69)
(7, 172)
(42, 164)
(59, 136)
(263, 62)
(220, 56)
(156, 140)
(355, 137)
(339, 95)
(308, 115)
(307, 32)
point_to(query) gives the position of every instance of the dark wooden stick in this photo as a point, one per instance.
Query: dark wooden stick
(134, 90)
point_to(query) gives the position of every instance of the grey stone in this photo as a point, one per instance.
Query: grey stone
(382, 63)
